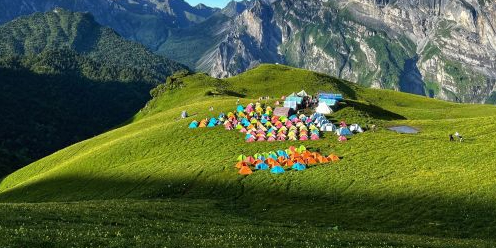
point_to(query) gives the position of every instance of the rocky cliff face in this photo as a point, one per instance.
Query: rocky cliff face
(440, 48)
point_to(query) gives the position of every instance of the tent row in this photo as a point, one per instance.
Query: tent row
(279, 162)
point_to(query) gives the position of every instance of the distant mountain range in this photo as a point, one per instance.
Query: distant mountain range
(438, 48)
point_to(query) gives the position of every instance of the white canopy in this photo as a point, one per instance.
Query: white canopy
(302, 93)
(323, 109)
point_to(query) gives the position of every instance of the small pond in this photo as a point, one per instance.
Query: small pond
(404, 129)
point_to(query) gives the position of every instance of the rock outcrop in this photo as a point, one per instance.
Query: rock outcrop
(439, 48)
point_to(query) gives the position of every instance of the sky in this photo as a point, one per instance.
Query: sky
(211, 3)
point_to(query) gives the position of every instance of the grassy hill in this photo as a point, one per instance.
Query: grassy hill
(179, 186)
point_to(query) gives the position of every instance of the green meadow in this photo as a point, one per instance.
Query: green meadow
(155, 183)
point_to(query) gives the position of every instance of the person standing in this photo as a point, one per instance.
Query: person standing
(451, 138)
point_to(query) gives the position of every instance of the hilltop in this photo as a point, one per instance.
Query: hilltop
(389, 190)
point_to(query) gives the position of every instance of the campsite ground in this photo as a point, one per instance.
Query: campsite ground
(178, 186)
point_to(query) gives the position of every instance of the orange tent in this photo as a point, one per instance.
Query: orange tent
(299, 160)
(239, 165)
(322, 159)
(281, 160)
(333, 158)
(245, 170)
(272, 162)
(306, 154)
(295, 155)
(311, 161)
(289, 162)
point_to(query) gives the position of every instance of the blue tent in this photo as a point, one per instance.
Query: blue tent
(277, 170)
(273, 156)
(344, 131)
(337, 97)
(328, 102)
(262, 166)
(212, 123)
(298, 167)
(296, 99)
(240, 108)
(282, 153)
(248, 136)
(193, 124)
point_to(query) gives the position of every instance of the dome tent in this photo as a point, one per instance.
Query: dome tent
(344, 131)
(355, 128)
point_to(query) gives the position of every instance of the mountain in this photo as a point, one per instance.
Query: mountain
(62, 29)
(437, 48)
(441, 49)
(180, 185)
(145, 21)
(65, 78)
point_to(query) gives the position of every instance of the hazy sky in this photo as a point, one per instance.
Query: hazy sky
(211, 3)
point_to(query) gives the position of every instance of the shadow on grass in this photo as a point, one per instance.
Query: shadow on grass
(46, 113)
(346, 207)
(370, 110)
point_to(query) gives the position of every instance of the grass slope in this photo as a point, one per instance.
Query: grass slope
(389, 190)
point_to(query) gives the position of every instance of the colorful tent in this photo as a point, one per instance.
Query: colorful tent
(262, 166)
(245, 170)
(193, 124)
(277, 170)
(344, 131)
(298, 167)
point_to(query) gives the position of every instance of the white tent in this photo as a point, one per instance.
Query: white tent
(328, 127)
(356, 128)
(323, 109)
(302, 93)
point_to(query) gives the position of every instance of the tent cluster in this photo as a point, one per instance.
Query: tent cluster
(265, 126)
(278, 162)
(259, 124)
